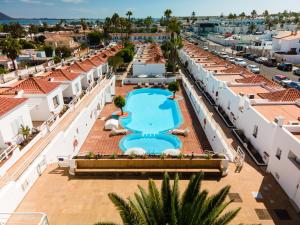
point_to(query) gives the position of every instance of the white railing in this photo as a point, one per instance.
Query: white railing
(26, 218)
(5, 154)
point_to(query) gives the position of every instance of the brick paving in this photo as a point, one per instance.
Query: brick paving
(100, 141)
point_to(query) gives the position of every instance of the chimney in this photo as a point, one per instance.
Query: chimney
(50, 79)
(279, 120)
(19, 93)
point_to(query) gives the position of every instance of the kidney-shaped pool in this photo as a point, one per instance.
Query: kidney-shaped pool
(151, 113)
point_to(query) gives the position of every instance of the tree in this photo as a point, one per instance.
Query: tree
(120, 102)
(168, 207)
(251, 28)
(194, 19)
(11, 48)
(48, 50)
(115, 62)
(33, 29)
(26, 44)
(242, 15)
(253, 14)
(129, 14)
(168, 14)
(115, 19)
(268, 22)
(63, 52)
(83, 24)
(56, 59)
(173, 87)
(148, 22)
(266, 13)
(24, 131)
(94, 38)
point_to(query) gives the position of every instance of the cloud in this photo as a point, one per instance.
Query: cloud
(31, 1)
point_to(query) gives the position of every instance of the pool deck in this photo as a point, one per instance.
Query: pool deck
(100, 141)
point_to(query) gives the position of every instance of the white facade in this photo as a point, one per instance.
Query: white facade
(140, 68)
(11, 121)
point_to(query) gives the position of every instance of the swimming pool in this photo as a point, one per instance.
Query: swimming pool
(151, 115)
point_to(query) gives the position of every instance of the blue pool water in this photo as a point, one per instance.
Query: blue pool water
(151, 115)
(152, 144)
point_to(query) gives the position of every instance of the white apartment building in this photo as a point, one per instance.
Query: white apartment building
(134, 37)
(148, 60)
(267, 114)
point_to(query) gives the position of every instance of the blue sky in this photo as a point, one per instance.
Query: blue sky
(140, 8)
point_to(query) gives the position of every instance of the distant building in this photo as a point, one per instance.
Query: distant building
(61, 39)
(156, 37)
(7, 63)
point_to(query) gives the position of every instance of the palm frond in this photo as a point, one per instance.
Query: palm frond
(175, 207)
(166, 196)
(227, 217)
(126, 212)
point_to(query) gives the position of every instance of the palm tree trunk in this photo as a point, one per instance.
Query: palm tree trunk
(122, 111)
(14, 65)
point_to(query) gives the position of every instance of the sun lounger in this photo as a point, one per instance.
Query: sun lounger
(147, 84)
(115, 132)
(184, 132)
(155, 84)
(139, 84)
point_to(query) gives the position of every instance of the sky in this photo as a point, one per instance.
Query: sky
(140, 8)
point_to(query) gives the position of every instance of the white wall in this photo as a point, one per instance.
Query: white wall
(148, 69)
(6, 130)
(62, 145)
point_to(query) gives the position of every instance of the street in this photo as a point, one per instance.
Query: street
(268, 72)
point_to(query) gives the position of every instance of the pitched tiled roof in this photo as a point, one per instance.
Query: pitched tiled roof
(257, 79)
(32, 85)
(79, 68)
(97, 60)
(7, 104)
(62, 75)
(288, 95)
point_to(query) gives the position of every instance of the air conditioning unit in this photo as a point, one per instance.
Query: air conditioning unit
(293, 123)
(251, 96)
(279, 120)
(241, 94)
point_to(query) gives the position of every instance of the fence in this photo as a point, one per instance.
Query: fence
(148, 80)
(30, 218)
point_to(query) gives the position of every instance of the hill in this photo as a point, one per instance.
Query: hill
(4, 17)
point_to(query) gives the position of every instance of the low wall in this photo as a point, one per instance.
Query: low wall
(149, 164)
(148, 80)
(210, 127)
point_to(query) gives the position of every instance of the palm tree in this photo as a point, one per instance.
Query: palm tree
(120, 102)
(253, 14)
(148, 22)
(268, 22)
(129, 14)
(242, 15)
(193, 17)
(251, 28)
(167, 207)
(168, 14)
(115, 62)
(115, 19)
(11, 48)
(266, 13)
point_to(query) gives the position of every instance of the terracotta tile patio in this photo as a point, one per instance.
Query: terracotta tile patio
(100, 141)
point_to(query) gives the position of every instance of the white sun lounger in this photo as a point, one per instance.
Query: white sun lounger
(184, 132)
(115, 132)
(147, 84)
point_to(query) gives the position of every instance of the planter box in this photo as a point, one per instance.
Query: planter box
(92, 166)
(251, 151)
(210, 100)
(224, 117)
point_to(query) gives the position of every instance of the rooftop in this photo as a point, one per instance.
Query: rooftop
(249, 90)
(61, 75)
(290, 112)
(8, 104)
(228, 77)
(32, 85)
(288, 95)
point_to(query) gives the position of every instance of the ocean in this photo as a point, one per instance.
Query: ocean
(41, 21)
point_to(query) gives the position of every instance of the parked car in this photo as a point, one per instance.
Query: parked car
(240, 53)
(240, 62)
(281, 79)
(231, 59)
(285, 66)
(253, 69)
(252, 57)
(246, 55)
(270, 62)
(297, 72)
(294, 84)
(223, 55)
(205, 48)
(261, 60)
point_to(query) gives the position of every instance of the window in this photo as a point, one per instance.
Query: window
(278, 153)
(255, 130)
(294, 159)
(55, 101)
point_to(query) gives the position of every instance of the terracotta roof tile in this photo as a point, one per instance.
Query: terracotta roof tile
(7, 104)
(62, 75)
(79, 68)
(257, 79)
(288, 95)
(31, 85)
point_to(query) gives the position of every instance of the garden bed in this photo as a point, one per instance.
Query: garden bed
(224, 116)
(248, 147)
